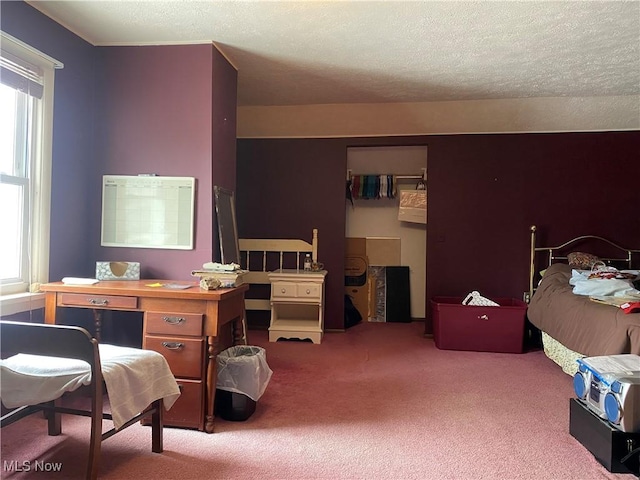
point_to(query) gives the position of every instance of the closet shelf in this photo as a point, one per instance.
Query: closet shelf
(422, 176)
(375, 186)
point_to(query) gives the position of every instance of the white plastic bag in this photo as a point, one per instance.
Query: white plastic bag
(413, 206)
(243, 369)
(474, 298)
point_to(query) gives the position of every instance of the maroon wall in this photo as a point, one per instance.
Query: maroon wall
(484, 191)
(286, 188)
(158, 112)
(224, 93)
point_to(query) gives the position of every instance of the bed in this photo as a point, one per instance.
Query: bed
(575, 326)
(259, 256)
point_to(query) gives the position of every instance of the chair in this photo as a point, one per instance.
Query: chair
(66, 342)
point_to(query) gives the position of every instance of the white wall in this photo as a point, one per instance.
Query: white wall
(558, 114)
(379, 218)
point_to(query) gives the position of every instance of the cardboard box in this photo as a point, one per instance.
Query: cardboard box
(355, 246)
(477, 328)
(360, 254)
(383, 251)
(355, 276)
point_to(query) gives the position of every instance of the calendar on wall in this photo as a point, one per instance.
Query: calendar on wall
(148, 212)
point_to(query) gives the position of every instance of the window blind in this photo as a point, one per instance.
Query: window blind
(21, 75)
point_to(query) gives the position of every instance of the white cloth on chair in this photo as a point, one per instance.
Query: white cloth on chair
(134, 379)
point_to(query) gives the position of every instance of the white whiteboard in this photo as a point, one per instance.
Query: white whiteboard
(148, 211)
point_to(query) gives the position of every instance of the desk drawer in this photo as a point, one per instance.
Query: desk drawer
(97, 301)
(188, 411)
(184, 355)
(173, 323)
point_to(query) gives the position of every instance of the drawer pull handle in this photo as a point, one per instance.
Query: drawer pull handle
(483, 317)
(173, 345)
(308, 291)
(284, 290)
(99, 301)
(174, 320)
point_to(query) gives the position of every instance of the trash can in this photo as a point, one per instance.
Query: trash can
(243, 376)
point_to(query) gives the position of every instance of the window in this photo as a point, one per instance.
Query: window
(26, 125)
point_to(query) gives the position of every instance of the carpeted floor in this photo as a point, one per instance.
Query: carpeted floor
(379, 401)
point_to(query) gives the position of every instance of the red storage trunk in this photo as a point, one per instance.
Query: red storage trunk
(482, 329)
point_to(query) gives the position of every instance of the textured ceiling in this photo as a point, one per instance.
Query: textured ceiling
(313, 52)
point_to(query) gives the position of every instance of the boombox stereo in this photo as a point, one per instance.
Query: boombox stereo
(610, 387)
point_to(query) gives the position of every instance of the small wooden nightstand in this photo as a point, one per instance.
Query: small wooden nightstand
(297, 305)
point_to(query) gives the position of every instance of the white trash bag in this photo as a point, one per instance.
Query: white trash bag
(243, 369)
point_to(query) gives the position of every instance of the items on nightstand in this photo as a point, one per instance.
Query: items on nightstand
(307, 263)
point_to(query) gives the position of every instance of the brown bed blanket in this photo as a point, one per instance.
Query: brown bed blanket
(580, 324)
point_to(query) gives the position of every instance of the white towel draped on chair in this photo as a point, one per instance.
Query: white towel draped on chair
(134, 379)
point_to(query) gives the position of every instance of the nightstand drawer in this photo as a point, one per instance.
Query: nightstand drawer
(97, 301)
(284, 290)
(184, 355)
(173, 323)
(309, 291)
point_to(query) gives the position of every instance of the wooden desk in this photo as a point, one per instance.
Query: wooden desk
(186, 326)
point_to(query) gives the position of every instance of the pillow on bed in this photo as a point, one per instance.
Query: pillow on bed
(581, 260)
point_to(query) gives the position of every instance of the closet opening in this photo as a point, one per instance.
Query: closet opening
(386, 232)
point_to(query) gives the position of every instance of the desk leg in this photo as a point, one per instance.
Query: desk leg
(97, 320)
(50, 308)
(212, 375)
(240, 329)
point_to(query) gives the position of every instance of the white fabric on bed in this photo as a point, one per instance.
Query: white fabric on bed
(134, 379)
(583, 285)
